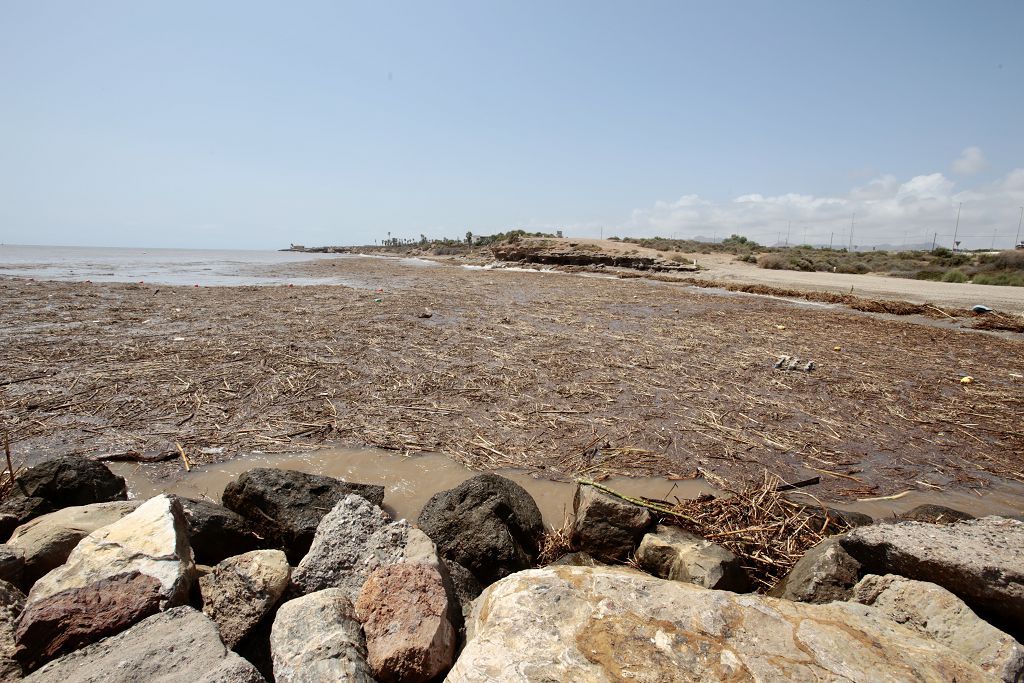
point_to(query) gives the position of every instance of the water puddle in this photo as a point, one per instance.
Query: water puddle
(409, 481)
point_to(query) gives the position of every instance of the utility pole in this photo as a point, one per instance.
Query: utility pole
(852, 217)
(789, 226)
(934, 237)
(1018, 226)
(957, 228)
(830, 236)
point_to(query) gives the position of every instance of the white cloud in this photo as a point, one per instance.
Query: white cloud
(971, 161)
(887, 212)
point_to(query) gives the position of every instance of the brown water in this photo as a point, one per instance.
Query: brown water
(409, 481)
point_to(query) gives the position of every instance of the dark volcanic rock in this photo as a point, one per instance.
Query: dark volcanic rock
(217, 533)
(17, 510)
(76, 617)
(488, 524)
(71, 480)
(936, 514)
(607, 527)
(286, 506)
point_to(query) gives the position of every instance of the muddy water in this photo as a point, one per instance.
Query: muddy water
(409, 481)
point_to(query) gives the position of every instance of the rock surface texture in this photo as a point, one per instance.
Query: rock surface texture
(177, 645)
(12, 601)
(286, 506)
(825, 573)
(607, 527)
(241, 590)
(48, 540)
(488, 524)
(980, 561)
(671, 553)
(353, 539)
(404, 609)
(12, 564)
(938, 614)
(602, 624)
(317, 638)
(217, 533)
(935, 514)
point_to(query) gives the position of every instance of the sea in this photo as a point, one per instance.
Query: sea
(203, 267)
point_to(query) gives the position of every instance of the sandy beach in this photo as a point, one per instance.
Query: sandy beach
(569, 374)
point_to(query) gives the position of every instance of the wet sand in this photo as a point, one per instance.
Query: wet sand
(554, 373)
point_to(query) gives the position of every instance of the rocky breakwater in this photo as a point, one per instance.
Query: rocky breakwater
(376, 599)
(567, 253)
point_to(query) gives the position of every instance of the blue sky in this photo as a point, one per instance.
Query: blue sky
(256, 124)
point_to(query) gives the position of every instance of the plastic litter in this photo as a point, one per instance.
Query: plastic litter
(793, 363)
(978, 308)
(967, 380)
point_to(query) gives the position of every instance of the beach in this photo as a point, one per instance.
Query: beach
(567, 375)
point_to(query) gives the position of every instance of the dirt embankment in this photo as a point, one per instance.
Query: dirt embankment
(567, 374)
(563, 252)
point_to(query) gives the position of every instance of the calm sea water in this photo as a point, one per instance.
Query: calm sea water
(206, 267)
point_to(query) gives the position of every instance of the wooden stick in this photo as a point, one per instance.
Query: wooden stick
(184, 458)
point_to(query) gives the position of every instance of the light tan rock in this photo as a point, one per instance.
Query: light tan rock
(241, 590)
(152, 540)
(671, 553)
(317, 638)
(48, 540)
(404, 609)
(601, 624)
(938, 614)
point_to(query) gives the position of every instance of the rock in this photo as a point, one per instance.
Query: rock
(938, 614)
(71, 480)
(317, 638)
(68, 620)
(8, 523)
(671, 553)
(12, 601)
(936, 514)
(837, 520)
(825, 573)
(980, 561)
(48, 540)
(217, 533)
(577, 560)
(177, 645)
(404, 610)
(465, 588)
(286, 506)
(152, 541)
(607, 527)
(12, 564)
(242, 590)
(20, 509)
(353, 539)
(603, 624)
(488, 524)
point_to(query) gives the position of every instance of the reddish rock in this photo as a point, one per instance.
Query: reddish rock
(75, 617)
(404, 609)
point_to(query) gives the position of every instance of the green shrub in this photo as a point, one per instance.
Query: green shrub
(1004, 279)
(954, 276)
(772, 262)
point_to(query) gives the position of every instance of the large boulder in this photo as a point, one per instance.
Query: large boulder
(825, 573)
(980, 561)
(604, 624)
(938, 614)
(286, 506)
(353, 539)
(317, 638)
(936, 514)
(18, 509)
(48, 540)
(70, 480)
(177, 645)
(115, 576)
(217, 533)
(404, 609)
(607, 527)
(12, 601)
(242, 590)
(671, 553)
(488, 524)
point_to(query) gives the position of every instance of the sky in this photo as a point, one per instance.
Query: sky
(258, 124)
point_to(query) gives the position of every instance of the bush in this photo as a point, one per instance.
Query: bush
(772, 262)
(1004, 279)
(954, 276)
